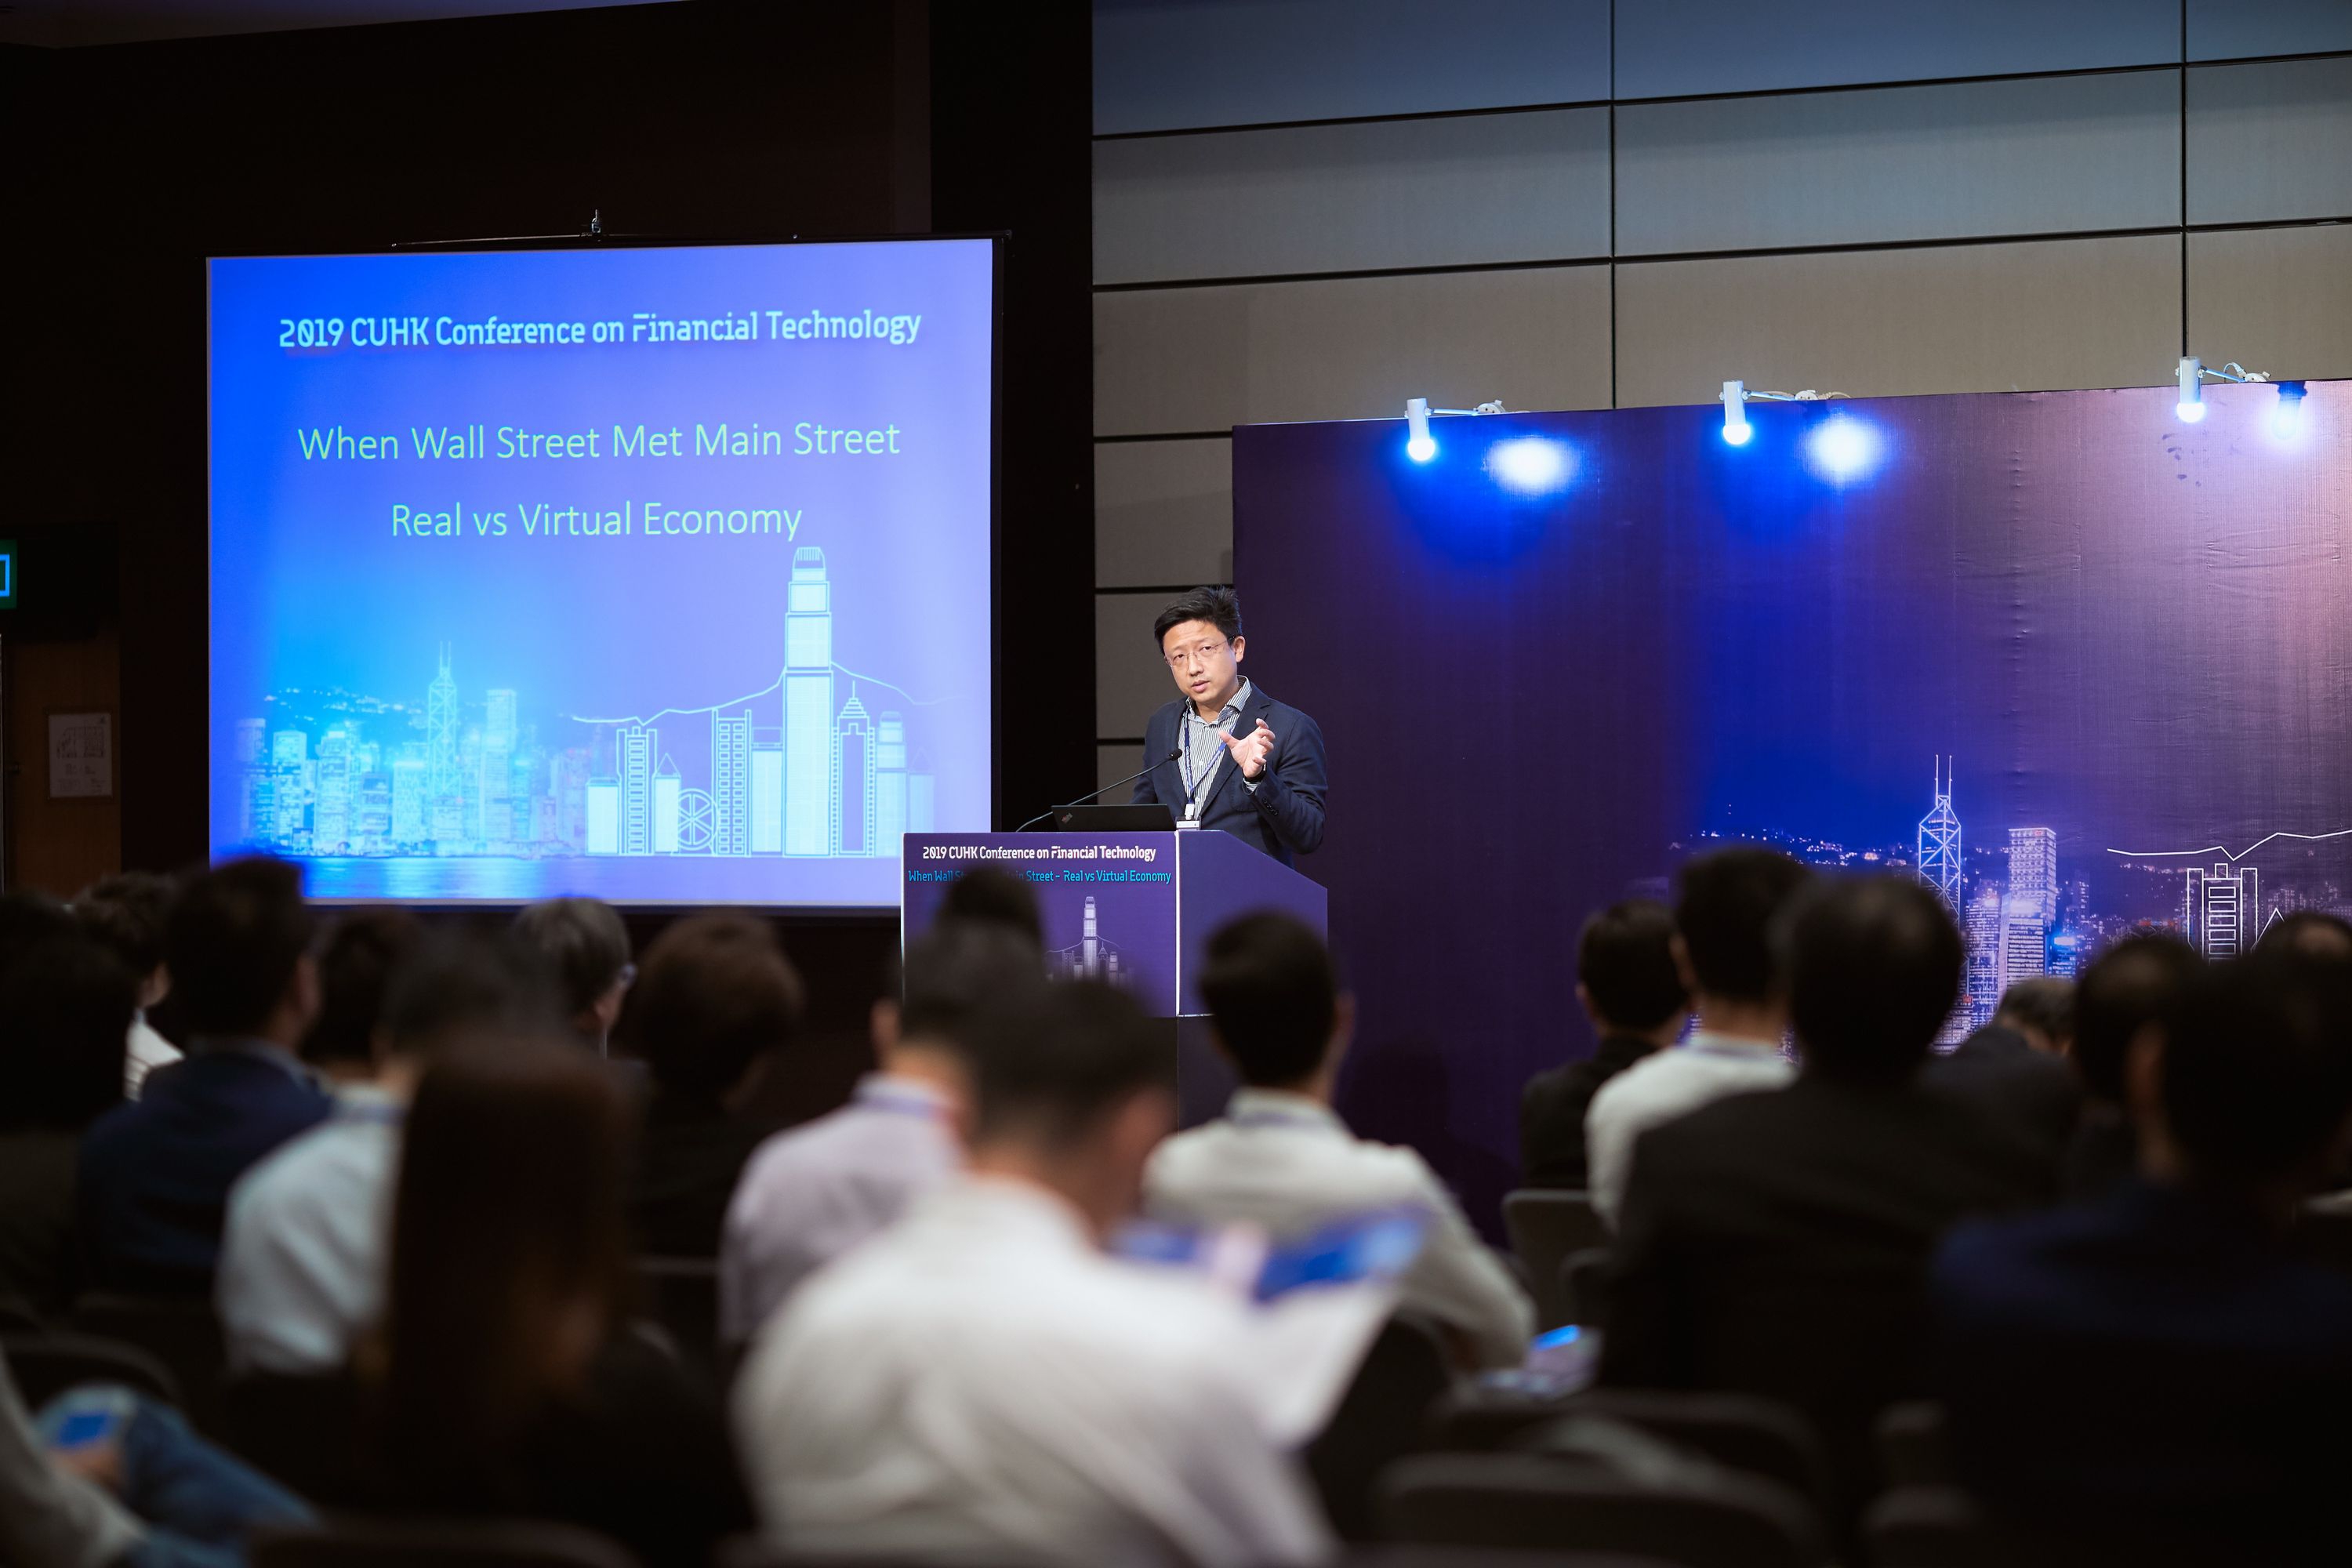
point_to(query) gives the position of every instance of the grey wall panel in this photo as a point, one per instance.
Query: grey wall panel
(1332, 198)
(1163, 513)
(1667, 48)
(1202, 359)
(1990, 318)
(2271, 141)
(1116, 763)
(1169, 64)
(1130, 680)
(2047, 155)
(2232, 30)
(2279, 300)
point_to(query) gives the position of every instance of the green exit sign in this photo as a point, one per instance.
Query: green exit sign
(7, 573)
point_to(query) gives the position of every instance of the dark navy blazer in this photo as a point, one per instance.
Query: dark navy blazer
(1283, 815)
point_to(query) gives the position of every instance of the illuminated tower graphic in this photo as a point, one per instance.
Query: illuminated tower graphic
(499, 724)
(1091, 957)
(1984, 955)
(665, 802)
(730, 782)
(890, 783)
(854, 781)
(635, 744)
(768, 796)
(808, 707)
(2031, 905)
(2224, 910)
(332, 823)
(1939, 844)
(442, 776)
(410, 817)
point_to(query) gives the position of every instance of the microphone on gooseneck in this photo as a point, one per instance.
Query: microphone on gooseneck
(1173, 753)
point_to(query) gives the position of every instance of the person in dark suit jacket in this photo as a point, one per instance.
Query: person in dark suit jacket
(1628, 984)
(2155, 1377)
(154, 1175)
(2015, 1067)
(1224, 753)
(1777, 1243)
(2127, 995)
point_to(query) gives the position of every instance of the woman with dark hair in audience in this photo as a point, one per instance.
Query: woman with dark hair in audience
(506, 1378)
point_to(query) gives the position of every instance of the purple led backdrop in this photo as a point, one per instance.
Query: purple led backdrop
(1570, 650)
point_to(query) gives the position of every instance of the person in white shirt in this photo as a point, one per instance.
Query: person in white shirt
(128, 913)
(1281, 1158)
(982, 1381)
(305, 1251)
(810, 1194)
(1723, 944)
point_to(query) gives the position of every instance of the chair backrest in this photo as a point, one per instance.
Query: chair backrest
(182, 1333)
(1545, 1226)
(1384, 1415)
(1912, 1446)
(1423, 1554)
(45, 1364)
(1757, 1436)
(1584, 1285)
(358, 1542)
(682, 1294)
(2322, 1232)
(1526, 1502)
(1942, 1527)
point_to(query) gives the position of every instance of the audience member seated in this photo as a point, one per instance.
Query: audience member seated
(506, 1379)
(1778, 1243)
(716, 1002)
(2315, 934)
(811, 1193)
(152, 1495)
(2154, 1375)
(356, 962)
(304, 1253)
(1723, 949)
(1629, 986)
(2125, 996)
(65, 1006)
(155, 1173)
(585, 946)
(989, 895)
(980, 1382)
(128, 913)
(1281, 1158)
(2015, 1068)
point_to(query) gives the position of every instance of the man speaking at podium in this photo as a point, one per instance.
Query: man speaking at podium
(1224, 755)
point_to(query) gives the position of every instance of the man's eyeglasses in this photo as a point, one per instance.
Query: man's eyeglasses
(1201, 653)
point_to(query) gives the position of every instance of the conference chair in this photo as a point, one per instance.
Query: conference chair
(45, 1364)
(1584, 1285)
(1383, 1416)
(359, 1541)
(1421, 1554)
(1528, 1502)
(1913, 1446)
(682, 1294)
(1545, 1226)
(1756, 1436)
(1942, 1527)
(182, 1333)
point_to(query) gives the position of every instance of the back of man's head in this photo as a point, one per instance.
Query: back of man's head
(1625, 961)
(464, 988)
(2313, 933)
(715, 994)
(130, 913)
(1054, 1063)
(1725, 915)
(2134, 985)
(1873, 966)
(65, 1015)
(956, 969)
(356, 962)
(2255, 1072)
(236, 940)
(582, 944)
(989, 895)
(2043, 1006)
(1273, 994)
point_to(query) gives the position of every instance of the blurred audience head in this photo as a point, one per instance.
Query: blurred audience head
(1077, 1087)
(28, 919)
(583, 943)
(456, 990)
(952, 973)
(2128, 992)
(1874, 967)
(2312, 932)
(716, 1000)
(2249, 1088)
(238, 945)
(356, 962)
(509, 1262)
(1626, 977)
(65, 1014)
(130, 913)
(990, 895)
(1273, 994)
(2042, 1010)
(1723, 922)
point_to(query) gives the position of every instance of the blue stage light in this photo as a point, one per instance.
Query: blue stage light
(1842, 448)
(1736, 428)
(2286, 418)
(1418, 444)
(1531, 465)
(2190, 374)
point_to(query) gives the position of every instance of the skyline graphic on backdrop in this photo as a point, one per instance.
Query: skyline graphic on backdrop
(336, 774)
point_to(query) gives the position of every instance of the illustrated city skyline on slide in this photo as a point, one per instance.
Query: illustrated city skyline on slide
(332, 775)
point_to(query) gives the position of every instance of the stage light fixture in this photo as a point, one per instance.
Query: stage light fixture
(2286, 418)
(2191, 376)
(1842, 448)
(1531, 465)
(1418, 444)
(1736, 428)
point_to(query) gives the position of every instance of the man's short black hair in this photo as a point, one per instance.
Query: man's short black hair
(717, 994)
(2312, 931)
(1725, 915)
(1222, 608)
(2135, 984)
(66, 1006)
(356, 963)
(1050, 1063)
(956, 969)
(1273, 994)
(1625, 961)
(1874, 967)
(994, 896)
(235, 938)
(582, 944)
(452, 987)
(2044, 1004)
(2257, 1079)
(128, 913)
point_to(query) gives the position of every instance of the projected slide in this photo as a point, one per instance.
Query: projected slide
(661, 575)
